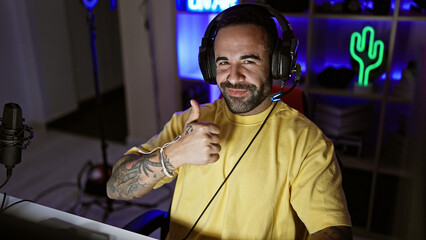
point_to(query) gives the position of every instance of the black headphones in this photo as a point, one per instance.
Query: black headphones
(283, 62)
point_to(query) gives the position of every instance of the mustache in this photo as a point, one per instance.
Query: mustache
(238, 86)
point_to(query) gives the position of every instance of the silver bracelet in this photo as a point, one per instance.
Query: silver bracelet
(165, 171)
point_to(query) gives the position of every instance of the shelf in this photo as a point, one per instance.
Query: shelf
(365, 164)
(342, 93)
(412, 18)
(363, 234)
(348, 16)
(352, 17)
(393, 171)
(400, 100)
(297, 15)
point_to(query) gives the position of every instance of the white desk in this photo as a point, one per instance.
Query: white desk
(27, 220)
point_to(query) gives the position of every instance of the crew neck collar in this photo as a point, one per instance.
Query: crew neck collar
(249, 119)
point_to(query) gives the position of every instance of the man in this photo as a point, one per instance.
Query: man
(285, 182)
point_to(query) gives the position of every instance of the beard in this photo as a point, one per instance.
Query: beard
(245, 104)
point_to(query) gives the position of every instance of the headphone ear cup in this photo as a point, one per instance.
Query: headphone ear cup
(275, 61)
(280, 61)
(211, 66)
(206, 62)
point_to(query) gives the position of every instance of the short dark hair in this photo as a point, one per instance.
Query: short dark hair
(250, 15)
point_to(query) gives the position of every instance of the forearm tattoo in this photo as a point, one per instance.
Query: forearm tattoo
(188, 129)
(167, 164)
(145, 165)
(127, 178)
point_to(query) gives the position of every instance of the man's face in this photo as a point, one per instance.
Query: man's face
(243, 68)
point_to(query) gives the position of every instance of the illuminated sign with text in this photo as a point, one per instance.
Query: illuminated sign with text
(208, 6)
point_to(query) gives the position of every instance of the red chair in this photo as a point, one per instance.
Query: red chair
(295, 98)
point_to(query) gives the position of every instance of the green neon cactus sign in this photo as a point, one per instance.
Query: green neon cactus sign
(375, 52)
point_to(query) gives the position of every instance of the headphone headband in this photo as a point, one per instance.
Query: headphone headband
(284, 52)
(212, 27)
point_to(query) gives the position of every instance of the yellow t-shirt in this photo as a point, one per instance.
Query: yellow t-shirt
(287, 183)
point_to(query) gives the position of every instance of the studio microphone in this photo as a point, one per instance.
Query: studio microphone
(13, 137)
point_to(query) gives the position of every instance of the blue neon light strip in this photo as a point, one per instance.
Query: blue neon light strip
(204, 6)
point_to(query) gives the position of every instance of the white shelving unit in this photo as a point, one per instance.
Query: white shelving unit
(327, 44)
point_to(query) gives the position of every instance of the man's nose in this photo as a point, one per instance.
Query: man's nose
(235, 74)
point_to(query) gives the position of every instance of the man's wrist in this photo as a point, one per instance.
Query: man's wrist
(167, 167)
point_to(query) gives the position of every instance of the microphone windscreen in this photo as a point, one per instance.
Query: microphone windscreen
(12, 117)
(11, 135)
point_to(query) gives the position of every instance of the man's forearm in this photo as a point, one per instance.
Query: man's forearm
(133, 176)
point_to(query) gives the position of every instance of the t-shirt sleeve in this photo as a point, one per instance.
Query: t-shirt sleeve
(316, 193)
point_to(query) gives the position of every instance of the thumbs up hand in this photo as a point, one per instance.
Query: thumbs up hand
(194, 115)
(199, 144)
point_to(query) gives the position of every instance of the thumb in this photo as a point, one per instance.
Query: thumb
(194, 115)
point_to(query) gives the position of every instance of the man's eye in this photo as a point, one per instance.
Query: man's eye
(222, 63)
(247, 61)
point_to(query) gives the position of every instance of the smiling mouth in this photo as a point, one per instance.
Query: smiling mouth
(236, 92)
